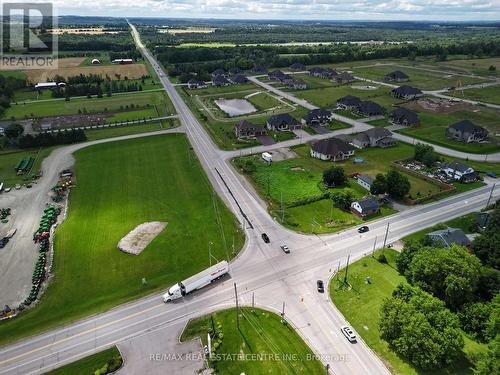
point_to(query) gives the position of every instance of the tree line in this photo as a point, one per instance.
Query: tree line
(8, 86)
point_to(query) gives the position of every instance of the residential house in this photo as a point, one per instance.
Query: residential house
(246, 130)
(259, 69)
(375, 137)
(365, 181)
(238, 79)
(344, 78)
(457, 171)
(406, 92)
(219, 81)
(449, 236)
(404, 117)
(294, 84)
(369, 109)
(333, 149)
(397, 76)
(318, 116)
(219, 72)
(282, 122)
(466, 131)
(277, 75)
(328, 73)
(196, 84)
(297, 66)
(365, 207)
(348, 102)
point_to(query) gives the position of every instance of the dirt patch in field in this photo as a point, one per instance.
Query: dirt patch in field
(131, 71)
(439, 105)
(140, 237)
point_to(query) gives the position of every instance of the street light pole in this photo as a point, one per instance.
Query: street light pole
(491, 194)
(385, 238)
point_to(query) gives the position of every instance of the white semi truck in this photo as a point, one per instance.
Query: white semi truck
(197, 281)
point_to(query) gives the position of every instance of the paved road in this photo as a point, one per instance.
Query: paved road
(261, 269)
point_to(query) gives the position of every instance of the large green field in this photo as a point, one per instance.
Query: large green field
(120, 185)
(120, 102)
(476, 66)
(361, 306)
(422, 79)
(489, 94)
(260, 334)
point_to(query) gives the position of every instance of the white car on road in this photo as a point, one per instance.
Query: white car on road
(348, 333)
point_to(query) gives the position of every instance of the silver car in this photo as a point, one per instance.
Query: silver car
(348, 333)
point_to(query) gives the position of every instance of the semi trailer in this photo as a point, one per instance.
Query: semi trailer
(197, 281)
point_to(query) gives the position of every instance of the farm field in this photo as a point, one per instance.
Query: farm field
(488, 94)
(94, 105)
(260, 333)
(433, 126)
(222, 129)
(172, 188)
(118, 131)
(361, 306)
(87, 365)
(475, 66)
(422, 79)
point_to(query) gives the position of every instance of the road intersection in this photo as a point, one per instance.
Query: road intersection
(261, 270)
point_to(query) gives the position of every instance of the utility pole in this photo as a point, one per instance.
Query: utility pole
(237, 307)
(491, 194)
(210, 243)
(282, 209)
(385, 238)
(253, 301)
(374, 246)
(346, 268)
(283, 312)
(338, 270)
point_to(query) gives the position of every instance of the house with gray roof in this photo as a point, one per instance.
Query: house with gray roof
(365, 181)
(406, 92)
(277, 75)
(319, 116)
(449, 236)
(282, 122)
(466, 131)
(297, 66)
(196, 84)
(239, 79)
(219, 72)
(365, 207)
(246, 130)
(459, 172)
(397, 76)
(374, 137)
(348, 102)
(219, 81)
(368, 108)
(344, 78)
(404, 117)
(333, 149)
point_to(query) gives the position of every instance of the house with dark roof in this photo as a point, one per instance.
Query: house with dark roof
(449, 236)
(348, 102)
(374, 137)
(328, 73)
(259, 69)
(343, 78)
(365, 207)
(219, 81)
(238, 79)
(196, 84)
(368, 108)
(404, 117)
(365, 181)
(315, 71)
(294, 83)
(235, 70)
(406, 92)
(246, 130)
(297, 66)
(277, 75)
(397, 76)
(219, 72)
(466, 131)
(282, 122)
(317, 116)
(456, 170)
(333, 149)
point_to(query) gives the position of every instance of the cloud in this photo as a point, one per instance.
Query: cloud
(288, 9)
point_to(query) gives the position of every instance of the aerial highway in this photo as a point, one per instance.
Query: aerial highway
(261, 270)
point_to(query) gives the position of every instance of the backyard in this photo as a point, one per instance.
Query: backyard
(172, 188)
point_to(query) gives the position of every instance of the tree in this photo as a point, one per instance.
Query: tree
(492, 68)
(474, 319)
(14, 131)
(404, 259)
(342, 199)
(249, 167)
(485, 246)
(379, 185)
(419, 328)
(397, 184)
(334, 176)
(451, 274)
(489, 363)
(489, 283)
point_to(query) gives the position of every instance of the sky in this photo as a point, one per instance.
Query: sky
(393, 10)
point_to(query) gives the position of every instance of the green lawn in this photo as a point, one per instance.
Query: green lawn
(114, 103)
(476, 66)
(261, 334)
(433, 128)
(488, 94)
(87, 365)
(121, 130)
(422, 79)
(361, 307)
(120, 185)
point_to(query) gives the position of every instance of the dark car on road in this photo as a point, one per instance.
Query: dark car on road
(363, 229)
(265, 237)
(320, 286)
